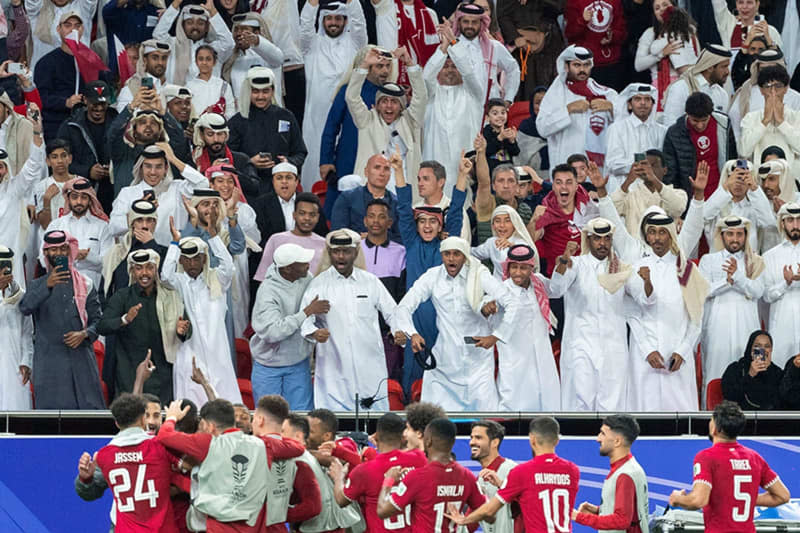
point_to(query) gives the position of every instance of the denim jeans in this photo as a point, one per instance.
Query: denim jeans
(293, 382)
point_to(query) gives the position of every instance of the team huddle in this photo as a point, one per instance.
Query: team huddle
(206, 472)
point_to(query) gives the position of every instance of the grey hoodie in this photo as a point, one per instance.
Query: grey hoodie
(276, 320)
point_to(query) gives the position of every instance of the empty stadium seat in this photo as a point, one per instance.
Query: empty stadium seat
(244, 360)
(395, 395)
(246, 388)
(416, 390)
(99, 355)
(320, 188)
(713, 394)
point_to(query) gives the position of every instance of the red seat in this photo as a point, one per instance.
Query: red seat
(320, 188)
(518, 112)
(244, 361)
(713, 394)
(395, 395)
(416, 390)
(100, 355)
(246, 389)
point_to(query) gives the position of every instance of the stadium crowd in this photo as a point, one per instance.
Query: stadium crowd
(531, 206)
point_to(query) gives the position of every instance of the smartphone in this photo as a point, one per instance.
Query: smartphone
(386, 54)
(639, 157)
(149, 193)
(672, 363)
(15, 68)
(147, 82)
(469, 340)
(5, 267)
(742, 163)
(61, 262)
(265, 155)
(758, 353)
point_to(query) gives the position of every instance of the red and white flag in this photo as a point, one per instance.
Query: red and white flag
(89, 64)
(123, 63)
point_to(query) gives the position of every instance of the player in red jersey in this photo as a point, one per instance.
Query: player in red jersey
(545, 486)
(727, 477)
(434, 488)
(364, 483)
(138, 470)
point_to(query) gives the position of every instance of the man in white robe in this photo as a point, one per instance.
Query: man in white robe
(708, 76)
(254, 47)
(733, 272)
(634, 134)
(152, 179)
(196, 26)
(463, 376)
(576, 111)
(328, 53)
(781, 287)
(738, 194)
(527, 379)
(187, 269)
(455, 106)
(594, 376)
(350, 355)
(780, 188)
(85, 220)
(17, 330)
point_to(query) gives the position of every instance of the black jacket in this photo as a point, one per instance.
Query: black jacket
(269, 217)
(790, 386)
(84, 152)
(274, 130)
(680, 155)
(760, 393)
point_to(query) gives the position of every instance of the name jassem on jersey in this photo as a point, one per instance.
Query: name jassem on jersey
(128, 457)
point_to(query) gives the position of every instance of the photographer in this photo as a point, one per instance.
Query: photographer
(753, 381)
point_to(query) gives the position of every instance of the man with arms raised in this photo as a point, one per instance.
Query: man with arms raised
(546, 474)
(624, 503)
(432, 489)
(727, 477)
(364, 482)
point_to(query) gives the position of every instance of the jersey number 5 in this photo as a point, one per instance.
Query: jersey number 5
(124, 485)
(740, 496)
(556, 512)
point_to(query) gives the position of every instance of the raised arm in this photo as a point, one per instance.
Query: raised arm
(161, 31)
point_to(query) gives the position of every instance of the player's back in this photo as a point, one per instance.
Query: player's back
(365, 483)
(431, 490)
(545, 487)
(138, 474)
(734, 473)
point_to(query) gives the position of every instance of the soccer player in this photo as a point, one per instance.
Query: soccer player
(432, 489)
(138, 469)
(727, 477)
(418, 416)
(484, 446)
(365, 480)
(625, 503)
(545, 486)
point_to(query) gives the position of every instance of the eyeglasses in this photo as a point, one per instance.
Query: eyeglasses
(774, 85)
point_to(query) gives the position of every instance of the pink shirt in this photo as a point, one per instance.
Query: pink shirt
(312, 242)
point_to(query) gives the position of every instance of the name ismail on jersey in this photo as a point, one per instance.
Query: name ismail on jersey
(542, 478)
(128, 457)
(453, 491)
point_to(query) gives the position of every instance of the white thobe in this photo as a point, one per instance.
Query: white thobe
(352, 360)
(463, 379)
(240, 287)
(634, 203)
(489, 250)
(784, 300)
(791, 100)
(791, 35)
(730, 313)
(207, 93)
(627, 137)
(170, 203)
(126, 95)
(14, 193)
(327, 59)
(527, 379)
(594, 374)
(454, 113)
(209, 343)
(678, 93)
(661, 324)
(566, 132)
(501, 62)
(86, 9)
(219, 38)
(92, 234)
(17, 333)
(755, 207)
(265, 54)
(756, 137)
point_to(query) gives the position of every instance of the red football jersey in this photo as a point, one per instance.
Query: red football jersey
(734, 473)
(430, 490)
(139, 476)
(545, 487)
(364, 485)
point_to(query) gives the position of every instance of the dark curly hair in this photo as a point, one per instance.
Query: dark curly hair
(680, 24)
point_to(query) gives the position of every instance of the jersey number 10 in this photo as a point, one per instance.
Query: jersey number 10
(556, 511)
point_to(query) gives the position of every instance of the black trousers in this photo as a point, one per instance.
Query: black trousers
(295, 87)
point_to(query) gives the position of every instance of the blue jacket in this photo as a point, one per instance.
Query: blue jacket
(351, 207)
(340, 124)
(129, 24)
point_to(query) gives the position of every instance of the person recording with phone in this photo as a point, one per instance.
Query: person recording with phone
(754, 380)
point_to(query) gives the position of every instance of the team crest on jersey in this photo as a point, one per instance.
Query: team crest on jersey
(703, 142)
(696, 468)
(597, 123)
(239, 464)
(602, 13)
